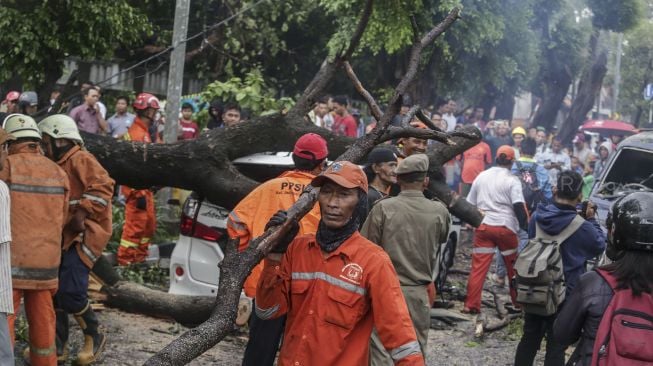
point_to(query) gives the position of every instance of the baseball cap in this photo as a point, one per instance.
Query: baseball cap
(413, 164)
(29, 97)
(506, 150)
(344, 174)
(381, 155)
(5, 136)
(311, 146)
(579, 138)
(12, 95)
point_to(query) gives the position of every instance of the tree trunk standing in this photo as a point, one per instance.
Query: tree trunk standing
(554, 91)
(588, 90)
(53, 72)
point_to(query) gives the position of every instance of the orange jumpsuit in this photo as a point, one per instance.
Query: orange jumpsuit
(333, 300)
(39, 207)
(248, 219)
(139, 224)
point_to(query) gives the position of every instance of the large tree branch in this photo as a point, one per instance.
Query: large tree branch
(369, 99)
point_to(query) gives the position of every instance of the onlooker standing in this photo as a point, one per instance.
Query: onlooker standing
(248, 221)
(86, 234)
(449, 114)
(28, 103)
(542, 141)
(585, 243)
(87, 115)
(581, 151)
(518, 136)
(39, 207)
(6, 297)
(11, 101)
(554, 160)
(605, 151)
(475, 160)
(381, 174)
(189, 129)
(498, 195)
(631, 275)
(344, 123)
(501, 137)
(78, 99)
(477, 119)
(231, 115)
(321, 109)
(410, 228)
(215, 114)
(120, 122)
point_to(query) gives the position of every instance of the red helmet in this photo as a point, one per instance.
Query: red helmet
(12, 96)
(145, 101)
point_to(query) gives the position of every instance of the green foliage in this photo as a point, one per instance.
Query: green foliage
(251, 93)
(617, 16)
(145, 274)
(636, 69)
(39, 35)
(515, 330)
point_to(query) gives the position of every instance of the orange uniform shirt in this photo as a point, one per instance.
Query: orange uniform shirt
(248, 219)
(474, 161)
(333, 302)
(138, 132)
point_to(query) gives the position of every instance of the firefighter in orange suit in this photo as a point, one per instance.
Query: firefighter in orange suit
(39, 207)
(140, 217)
(85, 235)
(248, 219)
(335, 285)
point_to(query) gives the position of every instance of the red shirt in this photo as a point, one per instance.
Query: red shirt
(333, 300)
(474, 161)
(344, 126)
(190, 130)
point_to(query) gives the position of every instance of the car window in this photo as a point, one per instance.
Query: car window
(630, 166)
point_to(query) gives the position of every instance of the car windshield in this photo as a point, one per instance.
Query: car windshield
(631, 171)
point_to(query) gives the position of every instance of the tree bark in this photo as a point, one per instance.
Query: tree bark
(588, 89)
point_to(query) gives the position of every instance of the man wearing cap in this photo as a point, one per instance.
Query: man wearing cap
(581, 151)
(11, 101)
(518, 136)
(28, 103)
(380, 172)
(248, 221)
(498, 195)
(39, 207)
(409, 228)
(335, 285)
(6, 298)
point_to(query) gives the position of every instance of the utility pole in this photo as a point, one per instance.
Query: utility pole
(176, 70)
(617, 73)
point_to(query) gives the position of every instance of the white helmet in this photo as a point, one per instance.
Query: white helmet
(21, 126)
(60, 126)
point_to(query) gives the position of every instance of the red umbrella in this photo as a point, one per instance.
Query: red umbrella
(608, 127)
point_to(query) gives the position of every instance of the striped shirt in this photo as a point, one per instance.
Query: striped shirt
(6, 297)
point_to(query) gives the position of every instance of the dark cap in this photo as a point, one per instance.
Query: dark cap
(416, 163)
(381, 155)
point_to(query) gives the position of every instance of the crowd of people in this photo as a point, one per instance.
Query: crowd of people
(352, 282)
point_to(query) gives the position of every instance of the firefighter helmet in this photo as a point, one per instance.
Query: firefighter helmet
(21, 126)
(60, 126)
(146, 100)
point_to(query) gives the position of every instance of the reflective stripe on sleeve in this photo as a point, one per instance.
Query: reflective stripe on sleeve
(403, 351)
(483, 250)
(97, 199)
(329, 279)
(128, 244)
(88, 253)
(73, 202)
(266, 314)
(235, 221)
(41, 352)
(508, 252)
(36, 189)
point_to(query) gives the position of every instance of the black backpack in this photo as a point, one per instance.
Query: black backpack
(533, 195)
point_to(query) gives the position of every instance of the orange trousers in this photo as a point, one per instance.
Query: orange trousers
(138, 230)
(486, 239)
(39, 310)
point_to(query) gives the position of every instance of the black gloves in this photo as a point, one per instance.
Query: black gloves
(278, 219)
(141, 203)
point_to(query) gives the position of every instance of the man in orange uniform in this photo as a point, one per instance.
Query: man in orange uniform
(140, 218)
(39, 207)
(336, 285)
(85, 235)
(248, 219)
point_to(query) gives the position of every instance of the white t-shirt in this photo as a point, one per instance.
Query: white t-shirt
(494, 191)
(5, 209)
(451, 121)
(551, 157)
(6, 297)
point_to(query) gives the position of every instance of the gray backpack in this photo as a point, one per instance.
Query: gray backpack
(540, 278)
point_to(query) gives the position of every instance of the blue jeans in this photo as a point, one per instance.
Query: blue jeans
(522, 235)
(72, 295)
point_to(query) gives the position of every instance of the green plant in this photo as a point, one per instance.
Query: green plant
(515, 330)
(22, 334)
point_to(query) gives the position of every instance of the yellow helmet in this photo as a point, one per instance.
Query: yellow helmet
(60, 126)
(519, 131)
(21, 126)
